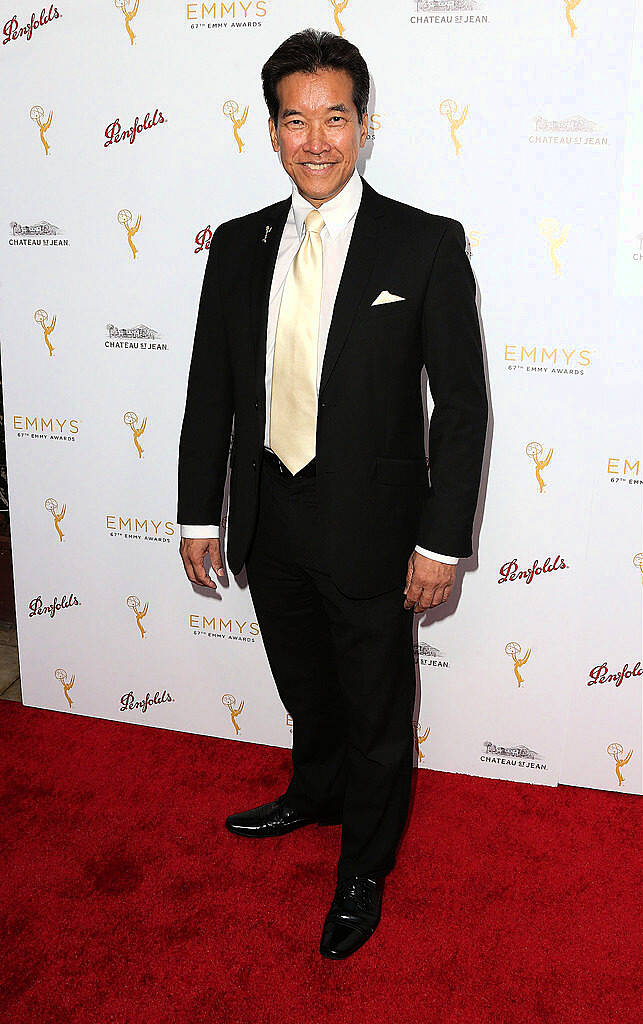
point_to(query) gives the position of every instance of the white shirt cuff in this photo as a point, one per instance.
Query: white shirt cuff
(448, 559)
(199, 532)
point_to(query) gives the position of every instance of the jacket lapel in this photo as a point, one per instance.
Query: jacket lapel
(358, 267)
(265, 257)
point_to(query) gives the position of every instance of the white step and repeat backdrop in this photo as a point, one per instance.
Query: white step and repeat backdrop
(130, 130)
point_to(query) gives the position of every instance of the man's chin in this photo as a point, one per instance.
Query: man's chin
(318, 191)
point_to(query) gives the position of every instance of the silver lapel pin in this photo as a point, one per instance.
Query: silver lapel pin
(268, 230)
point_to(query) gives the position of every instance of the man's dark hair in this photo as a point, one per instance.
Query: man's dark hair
(311, 51)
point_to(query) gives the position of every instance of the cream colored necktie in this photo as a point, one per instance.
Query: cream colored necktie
(293, 406)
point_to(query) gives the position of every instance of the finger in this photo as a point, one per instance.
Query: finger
(438, 596)
(414, 593)
(409, 575)
(189, 571)
(443, 595)
(420, 604)
(426, 598)
(187, 565)
(214, 552)
(201, 577)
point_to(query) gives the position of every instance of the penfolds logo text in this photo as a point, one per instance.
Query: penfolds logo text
(38, 606)
(510, 571)
(600, 674)
(115, 133)
(130, 703)
(12, 30)
(203, 238)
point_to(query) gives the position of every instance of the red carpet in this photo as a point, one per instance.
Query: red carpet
(125, 901)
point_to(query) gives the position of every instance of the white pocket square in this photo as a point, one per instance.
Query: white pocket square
(387, 297)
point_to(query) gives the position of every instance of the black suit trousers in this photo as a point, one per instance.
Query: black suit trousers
(345, 672)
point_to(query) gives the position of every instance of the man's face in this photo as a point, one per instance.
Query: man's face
(318, 132)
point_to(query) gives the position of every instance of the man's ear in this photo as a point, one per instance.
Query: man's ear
(363, 128)
(274, 137)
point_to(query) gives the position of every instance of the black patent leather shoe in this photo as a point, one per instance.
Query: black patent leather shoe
(276, 818)
(353, 917)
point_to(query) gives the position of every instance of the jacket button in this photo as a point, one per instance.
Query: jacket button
(257, 404)
(254, 464)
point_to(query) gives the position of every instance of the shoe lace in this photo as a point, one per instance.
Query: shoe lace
(356, 890)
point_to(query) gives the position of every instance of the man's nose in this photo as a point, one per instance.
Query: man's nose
(316, 141)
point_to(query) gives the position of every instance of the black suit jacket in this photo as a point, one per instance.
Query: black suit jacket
(373, 486)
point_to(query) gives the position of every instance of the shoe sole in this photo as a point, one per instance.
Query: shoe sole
(324, 822)
(267, 835)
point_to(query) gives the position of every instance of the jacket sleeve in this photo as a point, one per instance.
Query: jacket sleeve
(207, 422)
(452, 353)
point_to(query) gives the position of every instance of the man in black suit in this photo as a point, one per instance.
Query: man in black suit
(317, 315)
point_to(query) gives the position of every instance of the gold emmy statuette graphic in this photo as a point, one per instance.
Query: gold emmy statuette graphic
(134, 603)
(66, 683)
(449, 108)
(41, 317)
(132, 421)
(513, 650)
(124, 217)
(548, 228)
(535, 450)
(638, 561)
(52, 506)
(569, 7)
(615, 750)
(36, 114)
(124, 6)
(420, 739)
(231, 109)
(339, 5)
(229, 702)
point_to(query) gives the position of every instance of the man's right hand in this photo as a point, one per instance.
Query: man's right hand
(193, 552)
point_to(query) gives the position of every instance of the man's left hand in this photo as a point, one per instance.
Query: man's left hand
(428, 583)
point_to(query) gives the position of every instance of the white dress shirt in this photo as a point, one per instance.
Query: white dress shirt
(339, 218)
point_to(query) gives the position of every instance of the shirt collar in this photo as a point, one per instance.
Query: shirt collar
(337, 212)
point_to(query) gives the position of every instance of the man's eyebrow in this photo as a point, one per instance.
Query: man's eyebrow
(289, 112)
